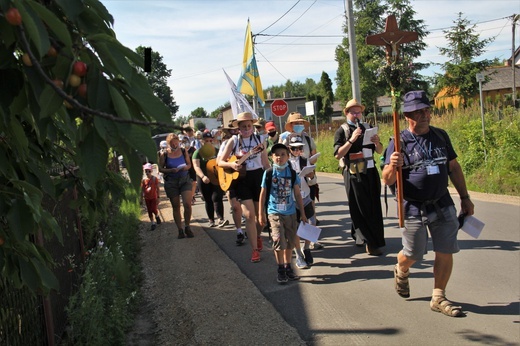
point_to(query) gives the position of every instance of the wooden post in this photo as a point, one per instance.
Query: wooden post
(391, 38)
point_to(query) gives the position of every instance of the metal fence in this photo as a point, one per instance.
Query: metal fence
(30, 319)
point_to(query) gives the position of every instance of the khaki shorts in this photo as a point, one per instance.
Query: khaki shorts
(283, 231)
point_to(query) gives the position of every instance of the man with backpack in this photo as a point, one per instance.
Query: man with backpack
(427, 160)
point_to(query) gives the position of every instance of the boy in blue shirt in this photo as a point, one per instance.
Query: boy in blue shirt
(281, 190)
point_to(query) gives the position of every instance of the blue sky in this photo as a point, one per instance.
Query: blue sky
(198, 39)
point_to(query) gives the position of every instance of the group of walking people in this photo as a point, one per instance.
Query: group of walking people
(269, 191)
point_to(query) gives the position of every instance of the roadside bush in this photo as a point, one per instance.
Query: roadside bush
(498, 174)
(102, 310)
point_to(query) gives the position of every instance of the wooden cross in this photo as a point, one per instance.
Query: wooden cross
(391, 38)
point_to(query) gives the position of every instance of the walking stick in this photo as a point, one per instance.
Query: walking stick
(391, 38)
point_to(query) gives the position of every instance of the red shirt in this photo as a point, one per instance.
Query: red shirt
(149, 188)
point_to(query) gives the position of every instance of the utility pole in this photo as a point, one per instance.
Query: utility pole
(354, 74)
(513, 66)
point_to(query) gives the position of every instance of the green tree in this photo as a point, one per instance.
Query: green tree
(325, 90)
(464, 45)
(199, 113)
(74, 97)
(199, 125)
(370, 17)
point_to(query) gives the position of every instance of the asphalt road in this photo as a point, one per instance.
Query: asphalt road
(347, 297)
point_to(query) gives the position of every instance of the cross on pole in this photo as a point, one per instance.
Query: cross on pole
(391, 38)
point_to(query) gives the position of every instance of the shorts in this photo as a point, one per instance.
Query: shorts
(309, 211)
(283, 231)
(313, 189)
(192, 173)
(443, 231)
(249, 186)
(233, 190)
(151, 206)
(175, 186)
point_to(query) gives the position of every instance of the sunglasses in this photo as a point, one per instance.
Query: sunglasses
(147, 171)
(296, 148)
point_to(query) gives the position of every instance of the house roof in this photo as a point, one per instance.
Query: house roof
(501, 77)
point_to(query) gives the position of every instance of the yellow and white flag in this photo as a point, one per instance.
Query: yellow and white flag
(249, 82)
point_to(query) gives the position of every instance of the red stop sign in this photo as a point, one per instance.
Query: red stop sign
(279, 107)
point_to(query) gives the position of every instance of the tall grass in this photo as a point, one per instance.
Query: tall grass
(496, 172)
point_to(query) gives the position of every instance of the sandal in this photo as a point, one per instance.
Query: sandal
(402, 286)
(441, 304)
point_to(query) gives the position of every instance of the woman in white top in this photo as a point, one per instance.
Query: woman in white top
(248, 144)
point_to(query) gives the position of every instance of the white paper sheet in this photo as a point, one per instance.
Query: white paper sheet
(314, 157)
(368, 134)
(308, 232)
(306, 170)
(182, 165)
(473, 226)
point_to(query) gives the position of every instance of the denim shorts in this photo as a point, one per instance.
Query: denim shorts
(443, 228)
(175, 186)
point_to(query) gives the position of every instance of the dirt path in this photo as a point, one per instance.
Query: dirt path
(194, 294)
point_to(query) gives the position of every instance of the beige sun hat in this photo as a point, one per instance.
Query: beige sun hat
(353, 103)
(243, 117)
(294, 117)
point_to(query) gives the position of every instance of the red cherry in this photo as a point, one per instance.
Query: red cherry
(79, 68)
(58, 83)
(13, 16)
(82, 90)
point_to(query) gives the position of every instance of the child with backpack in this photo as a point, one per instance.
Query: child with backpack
(281, 189)
(150, 193)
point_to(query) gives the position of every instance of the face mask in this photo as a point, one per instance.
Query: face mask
(272, 134)
(298, 128)
(246, 133)
(219, 138)
(280, 167)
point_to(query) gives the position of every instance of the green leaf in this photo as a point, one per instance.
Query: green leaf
(98, 95)
(32, 196)
(48, 279)
(119, 103)
(34, 28)
(56, 25)
(139, 137)
(71, 8)
(29, 274)
(49, 101)
(19, 220)
(94, 156)
(18, 136)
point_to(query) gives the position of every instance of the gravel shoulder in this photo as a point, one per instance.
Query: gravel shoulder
(195, 295)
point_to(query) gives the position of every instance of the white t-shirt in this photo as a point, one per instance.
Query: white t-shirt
(242, 146)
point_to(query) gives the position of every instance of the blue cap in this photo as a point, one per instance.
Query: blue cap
(415, 100)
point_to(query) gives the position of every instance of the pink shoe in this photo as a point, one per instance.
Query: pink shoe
(259, 243)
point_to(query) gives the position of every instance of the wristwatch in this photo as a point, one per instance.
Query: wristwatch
(464, 197)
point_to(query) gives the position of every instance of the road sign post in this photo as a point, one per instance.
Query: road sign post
(279, 108)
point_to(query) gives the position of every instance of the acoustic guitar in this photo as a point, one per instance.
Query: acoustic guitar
(212, 171)
(227, 175)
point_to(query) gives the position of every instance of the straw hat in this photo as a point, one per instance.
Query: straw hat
(294, 117)
(353, 103)
(260, 122)
(243, 117)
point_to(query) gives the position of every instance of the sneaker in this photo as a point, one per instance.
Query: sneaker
(188, 232)
(153, 227)
(259, 243)
(402, 286)
(158, 220)
(316, 246)
(212, 223)
(181, 235)
(291, 275)
(282, 276)
(240, 238)
(300, 263)
(255, 257)
(308, 256)
(223, 223)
